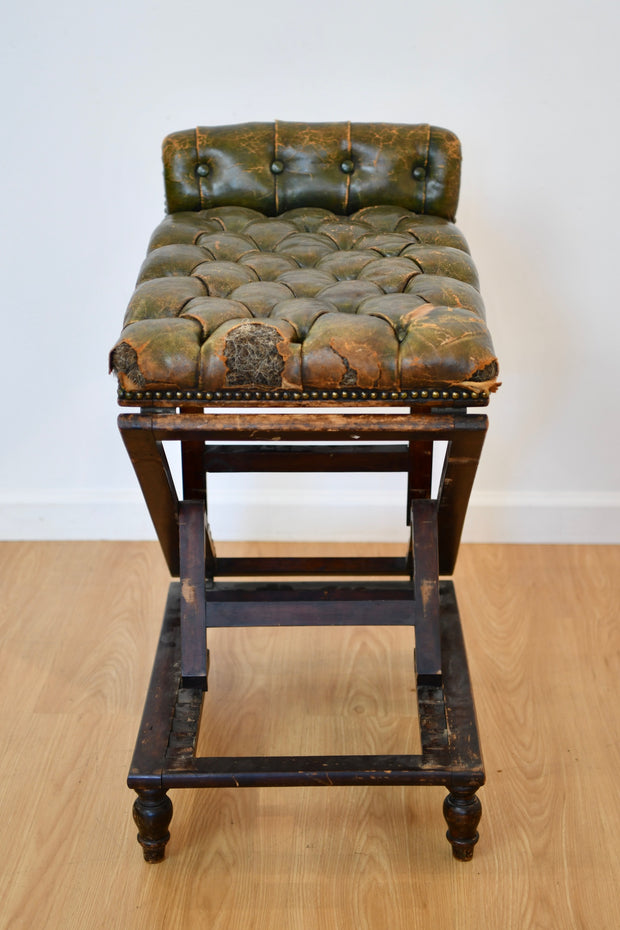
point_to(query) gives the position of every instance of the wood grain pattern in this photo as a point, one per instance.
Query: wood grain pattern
(78, 626)
(311, 691)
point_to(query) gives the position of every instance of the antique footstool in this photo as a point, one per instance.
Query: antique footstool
(302, 268)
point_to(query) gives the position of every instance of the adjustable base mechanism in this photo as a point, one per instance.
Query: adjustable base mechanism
(165, 754)
(206, 597)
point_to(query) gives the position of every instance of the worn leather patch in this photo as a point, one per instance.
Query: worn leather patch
(252, 357)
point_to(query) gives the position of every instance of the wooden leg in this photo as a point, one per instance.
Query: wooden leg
(192, 466)
(193, 538)
(462, 810)
(426, 587)
(420, 472)
(152, 812)
(149, 460)
(457, 479)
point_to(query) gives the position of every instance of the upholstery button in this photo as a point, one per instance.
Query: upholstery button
(347, 166)
(202, 170)
(277, 167)
(419, 173)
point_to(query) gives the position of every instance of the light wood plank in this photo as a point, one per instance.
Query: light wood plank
(78, 626)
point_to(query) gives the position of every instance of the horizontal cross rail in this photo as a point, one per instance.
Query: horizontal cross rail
(328, 565)
(299, 591)
(212, 427)
(281, 458)
(310, 604)
(297, 771)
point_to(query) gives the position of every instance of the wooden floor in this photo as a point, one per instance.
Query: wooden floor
(78, 626)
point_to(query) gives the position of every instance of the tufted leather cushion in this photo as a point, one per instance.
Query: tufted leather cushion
(274, 167)
(310, 305)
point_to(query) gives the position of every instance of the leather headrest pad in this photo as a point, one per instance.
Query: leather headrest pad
(344, 167)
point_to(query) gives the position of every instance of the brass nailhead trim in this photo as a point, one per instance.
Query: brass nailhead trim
(357, 395)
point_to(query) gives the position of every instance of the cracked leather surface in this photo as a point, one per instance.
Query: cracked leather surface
(260, 280)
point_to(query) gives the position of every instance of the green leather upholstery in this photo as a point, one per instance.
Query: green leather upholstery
(338, 166)
(308, 263)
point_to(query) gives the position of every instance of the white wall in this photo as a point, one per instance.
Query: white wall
(532, 90)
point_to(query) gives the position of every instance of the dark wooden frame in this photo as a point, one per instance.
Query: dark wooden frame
(411, 594)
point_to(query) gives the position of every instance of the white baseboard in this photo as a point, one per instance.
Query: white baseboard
(325, 514)
(543, 517)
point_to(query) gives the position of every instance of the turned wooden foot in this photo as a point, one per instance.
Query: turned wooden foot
(152, 812)
(462, 810)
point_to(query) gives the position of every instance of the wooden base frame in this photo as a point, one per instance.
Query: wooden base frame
(412, 594)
